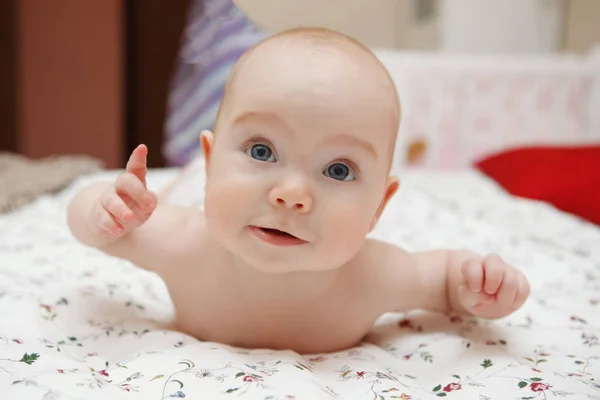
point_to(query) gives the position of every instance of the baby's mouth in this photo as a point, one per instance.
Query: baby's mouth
(277, 232)
(276, 236)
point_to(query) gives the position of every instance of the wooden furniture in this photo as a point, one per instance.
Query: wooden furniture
(86, 77)
(8, 85)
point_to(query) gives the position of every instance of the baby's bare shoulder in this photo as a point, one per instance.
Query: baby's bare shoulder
(379, 259)
(386, 270)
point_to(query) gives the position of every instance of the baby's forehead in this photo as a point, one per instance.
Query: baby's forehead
(309, 54)
(302, 63)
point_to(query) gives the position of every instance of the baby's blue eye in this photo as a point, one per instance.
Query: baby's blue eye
(340, 172)
(261, 152)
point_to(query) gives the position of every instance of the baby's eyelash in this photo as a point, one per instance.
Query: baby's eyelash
(257, 140)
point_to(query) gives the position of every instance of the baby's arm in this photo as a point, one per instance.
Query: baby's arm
(452, 281)
(124, 220)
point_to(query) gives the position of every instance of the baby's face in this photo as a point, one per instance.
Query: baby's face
(303, 147)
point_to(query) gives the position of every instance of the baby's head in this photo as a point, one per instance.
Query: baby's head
(303, 144)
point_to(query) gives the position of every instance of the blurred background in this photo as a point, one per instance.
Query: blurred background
(94, 77)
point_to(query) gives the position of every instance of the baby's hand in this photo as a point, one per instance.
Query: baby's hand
(491, 288)
(127, 204)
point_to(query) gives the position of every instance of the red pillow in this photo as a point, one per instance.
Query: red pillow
(566, 177)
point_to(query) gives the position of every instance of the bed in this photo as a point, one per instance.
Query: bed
(77, 324)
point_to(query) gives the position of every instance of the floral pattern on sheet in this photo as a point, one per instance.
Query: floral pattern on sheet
(75, 323)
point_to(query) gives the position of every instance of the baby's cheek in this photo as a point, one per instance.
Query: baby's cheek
(222, 202)
(348, 228)
(226, 188)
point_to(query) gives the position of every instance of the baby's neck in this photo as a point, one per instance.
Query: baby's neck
(290, 287)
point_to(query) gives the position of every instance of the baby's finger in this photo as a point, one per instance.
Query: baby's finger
(508, 289)
(136, 164)
(523, 291)
(152, 199)
(109, 223)
(140, 214)
(129, 185)
(115, 206)
(493, 268)
(470, 299)
(473, 274)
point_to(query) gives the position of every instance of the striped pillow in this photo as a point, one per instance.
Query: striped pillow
(217, 34)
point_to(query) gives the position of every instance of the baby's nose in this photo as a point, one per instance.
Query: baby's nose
(293, 198)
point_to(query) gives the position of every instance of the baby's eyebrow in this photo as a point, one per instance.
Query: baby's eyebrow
(263, 119)
(258, 116)
(355, 141)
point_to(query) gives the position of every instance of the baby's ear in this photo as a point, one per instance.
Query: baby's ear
(206, 142)
(391, 188)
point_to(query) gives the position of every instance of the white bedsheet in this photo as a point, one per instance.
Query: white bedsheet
(76, 324)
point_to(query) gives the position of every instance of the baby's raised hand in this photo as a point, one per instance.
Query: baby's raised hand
(491, 288)
(127, 203)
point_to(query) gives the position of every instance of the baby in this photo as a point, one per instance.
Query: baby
(297, 175)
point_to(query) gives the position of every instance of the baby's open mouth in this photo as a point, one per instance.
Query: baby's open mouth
(276, 236)
(277, 232)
